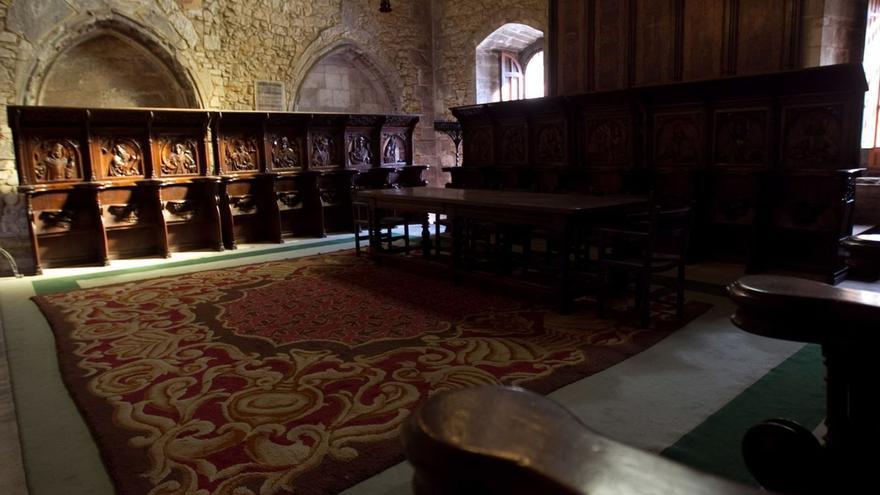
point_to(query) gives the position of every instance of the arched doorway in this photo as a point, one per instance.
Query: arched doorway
(506, 61)
(111, 70)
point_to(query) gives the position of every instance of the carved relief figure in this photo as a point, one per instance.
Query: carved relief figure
(56, 160)
(240, 155)
(513, 147)
(285, 153)
(482, 146)
(178, 159)
(125, 159)
(551, 145)
(740, 138)
(606, 143)
(394, 151)
(813, 137)
(359, 150)
(322, 146)
(677, 141)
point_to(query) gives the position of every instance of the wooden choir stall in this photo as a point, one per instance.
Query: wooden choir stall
(769, 161)
(101, 184)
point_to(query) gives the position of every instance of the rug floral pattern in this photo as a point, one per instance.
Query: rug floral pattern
(294, 376)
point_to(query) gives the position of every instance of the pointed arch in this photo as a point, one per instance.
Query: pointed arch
(49, 50)
(374, 61)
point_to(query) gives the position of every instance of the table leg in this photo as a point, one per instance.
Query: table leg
(457, 228)
(426, 237)
(564, 264)
(375, 234)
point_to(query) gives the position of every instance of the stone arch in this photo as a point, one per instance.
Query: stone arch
(521, 40)
(333, 41)
(49, 50)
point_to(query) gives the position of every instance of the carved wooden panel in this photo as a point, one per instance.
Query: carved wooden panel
(323, 150)
(571, 36)
(611, 44)
(678, 139)
(550, 143)
(120, 157)
(741, 136)
(178, 155)
(359, 150)
(239, 153)
(703, 34)
(654, 41)
(55, 160)
(478, 146)
(286, 151)
(394, 150)
(814, 136)
(607, 141)
(513, 144)
(760, 35)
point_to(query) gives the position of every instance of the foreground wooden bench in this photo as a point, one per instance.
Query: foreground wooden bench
(783, 455)
(495, 440)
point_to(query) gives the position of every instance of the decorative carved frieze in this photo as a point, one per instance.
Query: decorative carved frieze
(678, 139)
(121, 157)
(740, 137)
(323, 150)
(286, 152)
(513, 144)
(607, 142)
(124, 213)
(550, 143)
(480, 146)
(813, 136)
(358, 148)
(178, 156)
(394, 148)
(240, 154)
(56, 160)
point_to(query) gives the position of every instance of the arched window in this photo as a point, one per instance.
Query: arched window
(500, 59)
(871, 62)
(511, 78)
(535, 76)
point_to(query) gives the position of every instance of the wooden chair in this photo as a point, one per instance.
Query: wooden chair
(781, 454)
(653, 243)
(495, 440)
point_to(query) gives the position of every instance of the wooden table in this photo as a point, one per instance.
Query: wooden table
(560, 214)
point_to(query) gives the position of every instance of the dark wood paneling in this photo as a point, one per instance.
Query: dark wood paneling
(655, 41)
(760, 35)
(571, 42)
(703, 32)
(611, 41)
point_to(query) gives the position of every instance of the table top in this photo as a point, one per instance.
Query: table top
(565, 203)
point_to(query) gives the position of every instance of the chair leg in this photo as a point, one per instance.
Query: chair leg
(406, 237)
(357, 240)
(679, 296)
(603, 288)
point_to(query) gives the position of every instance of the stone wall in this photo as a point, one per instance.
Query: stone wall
(458, 28)
(341, 82)
(214, 50)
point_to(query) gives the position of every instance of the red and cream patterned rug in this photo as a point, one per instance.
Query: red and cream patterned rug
(294, 376)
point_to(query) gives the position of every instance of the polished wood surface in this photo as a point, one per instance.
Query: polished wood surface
(770, 161)
(111, 183)
(496, 440)
(783, 455)
(528, 201)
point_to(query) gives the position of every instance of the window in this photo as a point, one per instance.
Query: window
(535, 76)
(871, 61)
(511, 78)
